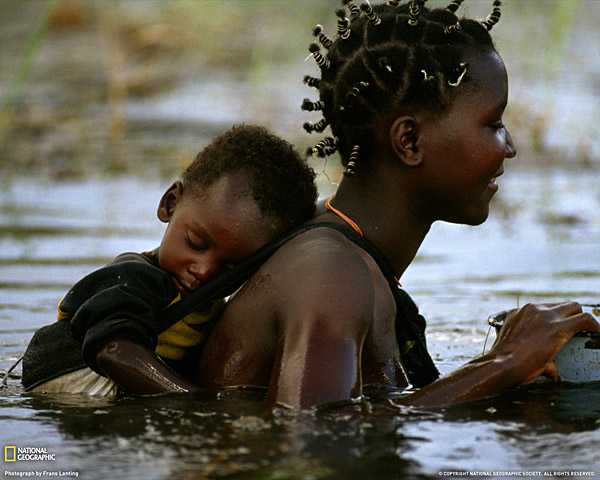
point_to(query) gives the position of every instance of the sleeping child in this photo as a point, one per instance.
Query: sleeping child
(245, 189)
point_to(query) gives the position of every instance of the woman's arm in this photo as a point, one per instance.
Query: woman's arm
(324, 323)
(137, 370)
(524, 350)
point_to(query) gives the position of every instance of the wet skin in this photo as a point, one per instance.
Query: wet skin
(208, 230)
(452, 165)
(326, 336)
(316, 322)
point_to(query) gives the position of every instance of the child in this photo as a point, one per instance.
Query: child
(243, 190)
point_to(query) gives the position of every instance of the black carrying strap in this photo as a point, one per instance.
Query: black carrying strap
(229, 281)
(410, 325)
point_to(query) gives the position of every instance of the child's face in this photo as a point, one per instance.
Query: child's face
(465, 148)
(210, 230)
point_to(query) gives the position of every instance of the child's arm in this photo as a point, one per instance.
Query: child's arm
(115, 313)
(138, 370)
(122, 300)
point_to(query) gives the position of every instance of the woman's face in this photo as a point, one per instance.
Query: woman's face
(465, 147)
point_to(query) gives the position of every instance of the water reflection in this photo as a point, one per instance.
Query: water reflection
(228, 436)
(234, 434)
(540, 408)
(460, 277)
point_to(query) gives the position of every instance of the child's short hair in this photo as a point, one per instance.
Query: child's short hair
(283, 185)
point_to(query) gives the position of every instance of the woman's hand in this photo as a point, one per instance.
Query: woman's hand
(532, 336)
(525, 349)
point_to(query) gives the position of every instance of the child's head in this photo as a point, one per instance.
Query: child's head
(392, 86)
(243, 190)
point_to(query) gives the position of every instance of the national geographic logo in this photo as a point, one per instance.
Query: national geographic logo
(12, 453)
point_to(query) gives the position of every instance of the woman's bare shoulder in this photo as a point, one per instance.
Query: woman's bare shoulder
(321, 265)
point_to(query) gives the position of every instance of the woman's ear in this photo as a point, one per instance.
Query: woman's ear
(169, 201)
(404, 138)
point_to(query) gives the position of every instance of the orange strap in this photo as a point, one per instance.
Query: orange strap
(352, 224)
(344, 217)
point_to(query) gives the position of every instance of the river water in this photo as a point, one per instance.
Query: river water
(541, 243)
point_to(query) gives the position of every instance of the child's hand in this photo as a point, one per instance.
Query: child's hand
(533, 335)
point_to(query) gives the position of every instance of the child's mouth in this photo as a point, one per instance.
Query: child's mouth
(182, 286)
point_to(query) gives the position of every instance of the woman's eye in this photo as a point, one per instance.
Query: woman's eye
(498, 125)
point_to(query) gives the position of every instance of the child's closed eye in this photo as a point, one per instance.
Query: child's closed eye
(195, 242)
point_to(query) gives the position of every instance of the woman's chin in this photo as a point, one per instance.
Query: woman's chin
(473, 217)
(478, 217)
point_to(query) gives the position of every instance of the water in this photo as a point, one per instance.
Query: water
(542, 243)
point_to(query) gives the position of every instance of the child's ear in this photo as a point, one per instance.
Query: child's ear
(404, 137)
(169, 201)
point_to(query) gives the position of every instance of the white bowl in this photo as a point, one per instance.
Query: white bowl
(579, 360)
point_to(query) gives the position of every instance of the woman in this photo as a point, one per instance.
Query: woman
(414, 99)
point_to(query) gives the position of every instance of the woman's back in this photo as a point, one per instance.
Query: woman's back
(318, 271)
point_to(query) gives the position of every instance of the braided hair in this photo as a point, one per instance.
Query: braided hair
(385, 57)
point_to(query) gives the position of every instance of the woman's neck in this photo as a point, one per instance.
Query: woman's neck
(386, 218)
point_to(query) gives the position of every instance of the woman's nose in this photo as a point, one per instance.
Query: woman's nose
(511, 150)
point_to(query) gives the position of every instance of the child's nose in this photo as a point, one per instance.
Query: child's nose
(205, 271)
(511, 150)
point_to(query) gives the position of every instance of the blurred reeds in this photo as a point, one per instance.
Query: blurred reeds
(70, 69)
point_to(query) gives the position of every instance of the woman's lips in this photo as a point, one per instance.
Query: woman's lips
(492, 185)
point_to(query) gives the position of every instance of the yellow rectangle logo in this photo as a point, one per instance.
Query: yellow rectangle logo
(10, 453)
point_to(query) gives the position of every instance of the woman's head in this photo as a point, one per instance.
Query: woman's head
(388, 59)
(460, 153)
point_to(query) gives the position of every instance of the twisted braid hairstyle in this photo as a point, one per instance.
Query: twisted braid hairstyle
(392, 55)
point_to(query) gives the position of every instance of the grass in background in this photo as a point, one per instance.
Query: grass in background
(79, 67)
